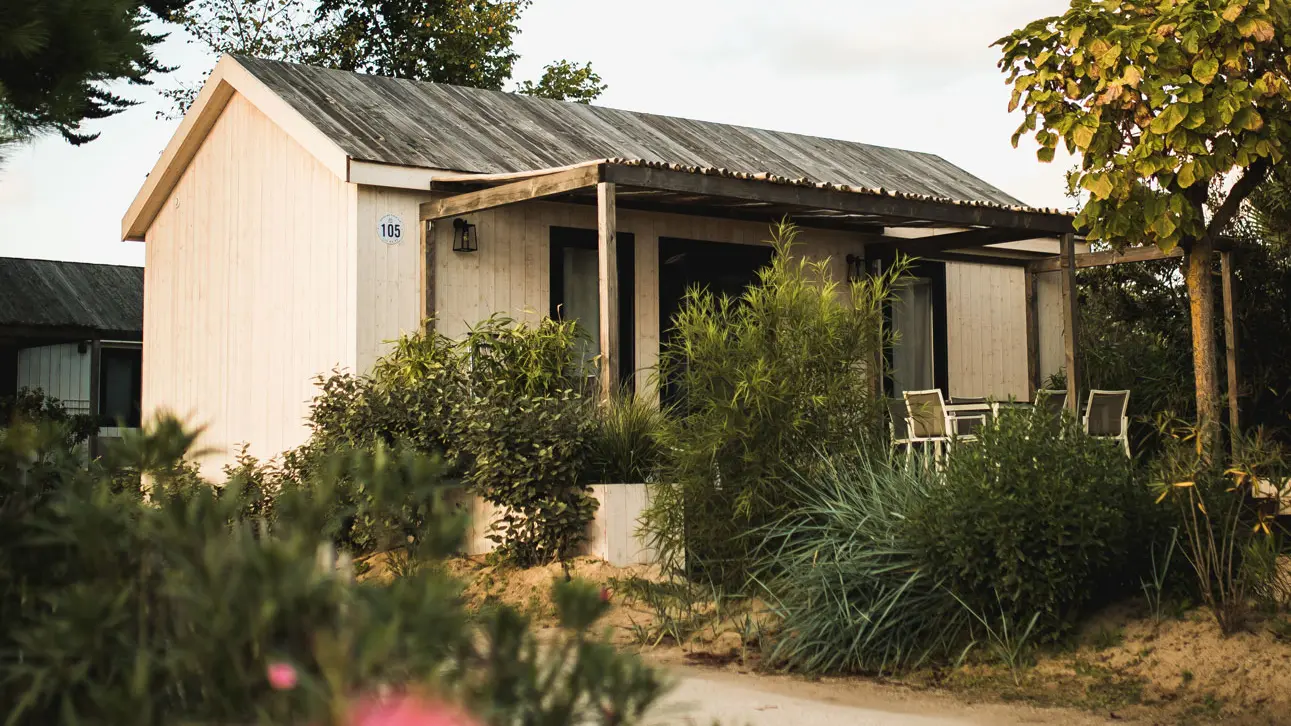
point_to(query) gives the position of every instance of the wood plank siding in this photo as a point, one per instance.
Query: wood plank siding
(250, 287)
(61, 371)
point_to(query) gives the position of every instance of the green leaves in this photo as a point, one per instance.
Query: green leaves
(1168, 119)
(1204, 70)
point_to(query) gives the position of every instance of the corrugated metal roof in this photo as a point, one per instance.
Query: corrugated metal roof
(436, 126)
(48, 293)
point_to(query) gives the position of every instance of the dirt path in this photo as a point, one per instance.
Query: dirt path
(703, 696)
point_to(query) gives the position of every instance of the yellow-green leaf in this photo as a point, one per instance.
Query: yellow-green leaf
(1187, 174)
(1233, 10)
(1082, 136)
(1248, 119)
(1045, 154)
(1099, 185)
(1204, 70)
(1168, 119)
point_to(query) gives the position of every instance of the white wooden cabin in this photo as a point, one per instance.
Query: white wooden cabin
(302, 218)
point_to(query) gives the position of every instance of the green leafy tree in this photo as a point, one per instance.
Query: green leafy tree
(565, 81)
(1160, 100)
(58, 57)
(460, 42)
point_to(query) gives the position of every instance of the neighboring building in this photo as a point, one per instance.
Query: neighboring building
(74, 330)
(301, 218)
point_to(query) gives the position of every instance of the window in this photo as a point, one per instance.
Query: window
(120, 379)
(575, 291)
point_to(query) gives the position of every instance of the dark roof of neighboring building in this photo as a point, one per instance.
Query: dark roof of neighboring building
(438, 126)
(53, 294)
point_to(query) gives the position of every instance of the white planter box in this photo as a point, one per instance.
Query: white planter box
(611, 536)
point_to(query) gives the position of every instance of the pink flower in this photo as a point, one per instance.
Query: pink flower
(605, 594)
(407, 710)
(282, 676)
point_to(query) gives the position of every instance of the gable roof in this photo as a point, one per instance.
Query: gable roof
(438, 126)
(80, 295)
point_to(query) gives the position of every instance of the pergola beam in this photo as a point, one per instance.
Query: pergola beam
(608, 287)
(925, 246)
(537, 187)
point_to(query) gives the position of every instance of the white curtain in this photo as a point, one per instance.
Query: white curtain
(582, 296)
(912, 367)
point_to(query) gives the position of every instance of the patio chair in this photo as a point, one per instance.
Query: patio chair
(928, 420)
(1051, 401)
(898, 423)
(1105, 416)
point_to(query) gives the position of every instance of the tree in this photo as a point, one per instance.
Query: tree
(565, 81)
(58, 57)
(462, 42)
(1160, 99)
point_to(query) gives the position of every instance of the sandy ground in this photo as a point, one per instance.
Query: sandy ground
(1128, 670)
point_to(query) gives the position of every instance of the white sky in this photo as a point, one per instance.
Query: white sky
(914, 74)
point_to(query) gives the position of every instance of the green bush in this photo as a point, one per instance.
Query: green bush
(1037, 518)
(116, 608)
(32, 405)
(507, 409)
(848, 578)
(764, 382)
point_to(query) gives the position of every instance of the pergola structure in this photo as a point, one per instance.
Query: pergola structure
(870, 213)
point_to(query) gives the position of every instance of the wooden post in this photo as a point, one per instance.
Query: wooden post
(1033, 335)
(1230, 342)
(1070, 321)
(607, 248)
(96, 373)
(427, 276)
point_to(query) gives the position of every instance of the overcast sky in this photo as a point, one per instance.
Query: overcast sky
(915, 74)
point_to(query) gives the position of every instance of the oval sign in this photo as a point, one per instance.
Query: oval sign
(390, 229)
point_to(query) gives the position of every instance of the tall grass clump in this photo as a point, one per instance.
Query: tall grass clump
(852, 587)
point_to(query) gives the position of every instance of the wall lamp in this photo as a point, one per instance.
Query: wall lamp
(464, 239)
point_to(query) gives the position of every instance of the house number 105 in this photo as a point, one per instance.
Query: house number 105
(390, 229)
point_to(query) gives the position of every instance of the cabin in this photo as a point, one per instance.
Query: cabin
(74, 330)
(302, 218)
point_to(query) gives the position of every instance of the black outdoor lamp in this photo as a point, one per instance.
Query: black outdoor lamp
(464, 239)
(855, 268)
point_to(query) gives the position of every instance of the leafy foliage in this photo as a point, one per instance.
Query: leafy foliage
(628, 443)
(526, 429)
(1036, 517)
(461, 42)
(32, 405)
(1231, 543)
(565, 81)
(765, 382)
(58, 59)
(848, 577)
(506, 409)
(117, 609)
(1159, 99)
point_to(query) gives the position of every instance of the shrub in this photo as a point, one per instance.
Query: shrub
(1232, 545)
(847, 577)
(627, 444)
(117, 609)
(32, 405)
(506, 409)
(763, 383)
(1036, 518)
(525, 428)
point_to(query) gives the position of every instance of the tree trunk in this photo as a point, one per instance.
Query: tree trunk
(1201, 302)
